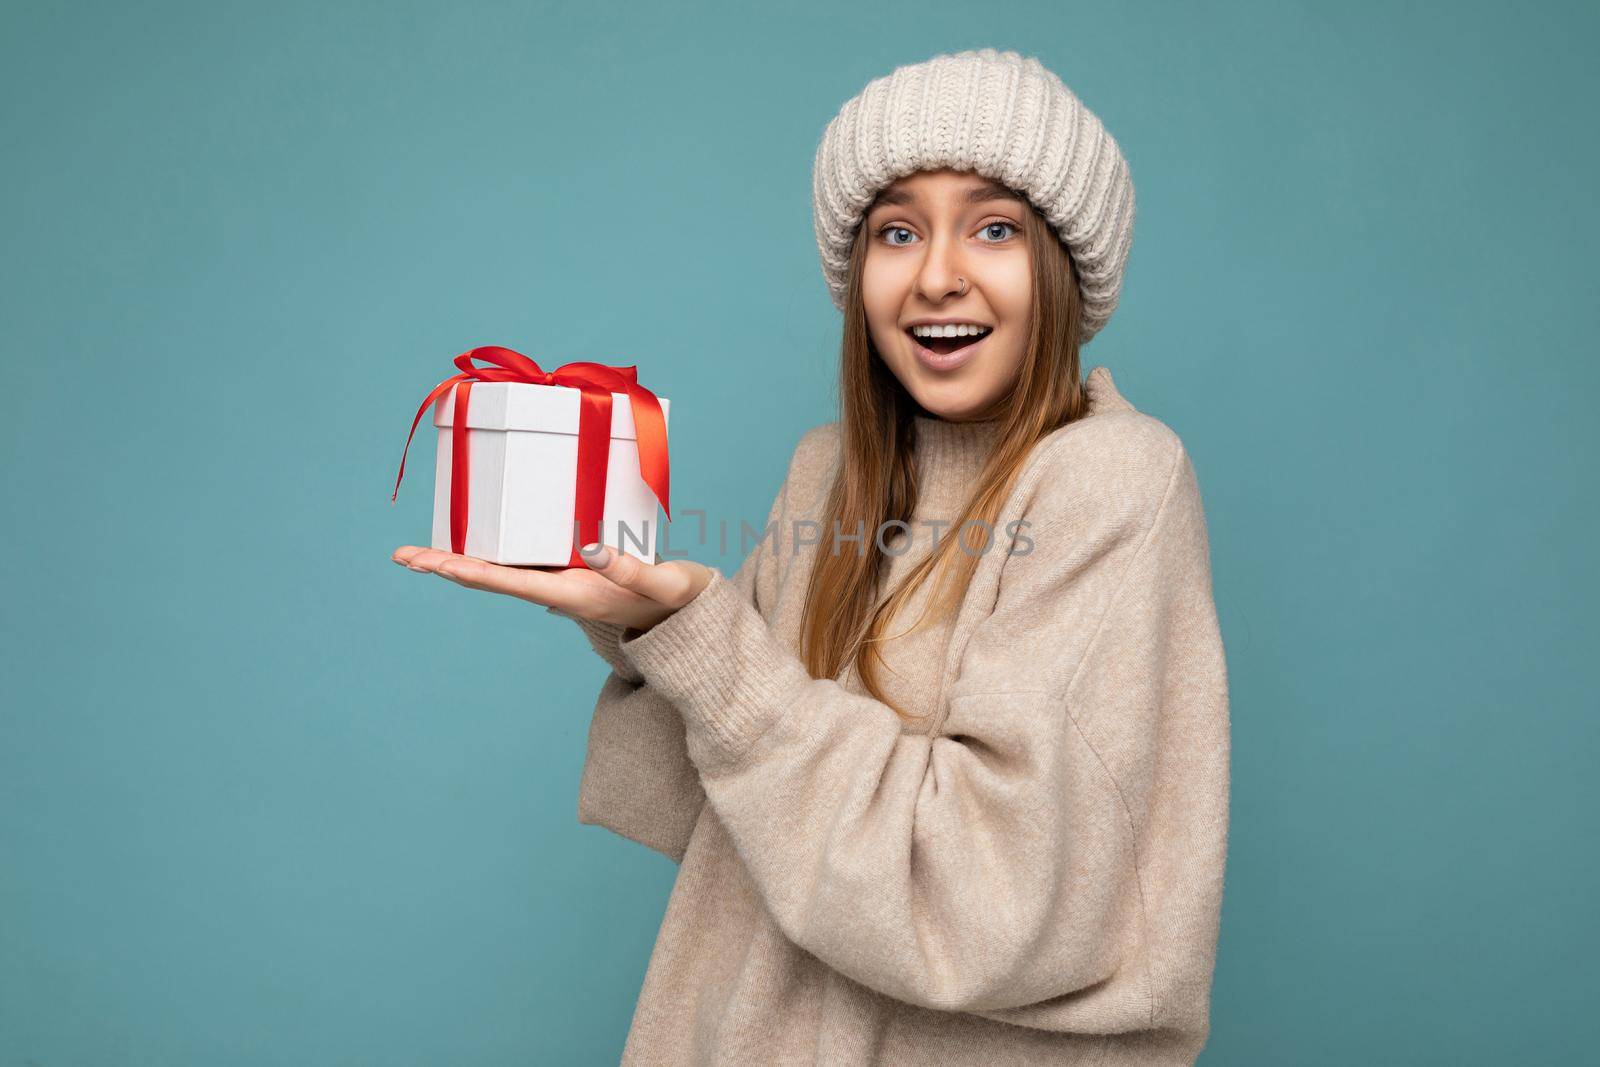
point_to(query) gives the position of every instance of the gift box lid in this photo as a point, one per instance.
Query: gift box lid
(534, 408)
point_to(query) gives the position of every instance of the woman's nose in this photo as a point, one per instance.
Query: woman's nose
(941, 272)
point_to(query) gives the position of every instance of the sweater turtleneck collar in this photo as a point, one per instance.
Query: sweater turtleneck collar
(952, 451)
(950, 455)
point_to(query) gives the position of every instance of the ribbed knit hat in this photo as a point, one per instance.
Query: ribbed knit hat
(1000, 115)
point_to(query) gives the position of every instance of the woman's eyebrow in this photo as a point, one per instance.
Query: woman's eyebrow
(978, 194)
(989, 191)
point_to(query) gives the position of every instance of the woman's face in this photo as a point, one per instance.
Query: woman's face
(947, 247)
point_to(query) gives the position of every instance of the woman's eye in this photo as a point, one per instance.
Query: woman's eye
(888, 232)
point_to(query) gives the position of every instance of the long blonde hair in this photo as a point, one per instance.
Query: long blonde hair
(876, 480)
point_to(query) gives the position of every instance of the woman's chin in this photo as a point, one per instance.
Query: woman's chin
(958, 396)
(958, 409)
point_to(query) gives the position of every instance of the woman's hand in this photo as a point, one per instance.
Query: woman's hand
(619, 589)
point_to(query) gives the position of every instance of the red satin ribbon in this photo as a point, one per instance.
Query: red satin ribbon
(595, 382)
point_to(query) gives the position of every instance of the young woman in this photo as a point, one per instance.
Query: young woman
(945, 763)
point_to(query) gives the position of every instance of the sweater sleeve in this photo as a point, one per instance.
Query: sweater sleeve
(603, 638)
(637, 778)
(987, 864)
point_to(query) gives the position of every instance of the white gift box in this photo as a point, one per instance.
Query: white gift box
(522, 463)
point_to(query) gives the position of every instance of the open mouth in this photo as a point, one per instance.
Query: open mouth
(944, 346)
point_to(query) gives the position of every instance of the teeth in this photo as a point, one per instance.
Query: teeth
(964, 330)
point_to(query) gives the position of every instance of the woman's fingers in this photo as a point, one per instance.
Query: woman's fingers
(672, 584)
(621, 589)
(572, 589)
(420, 559)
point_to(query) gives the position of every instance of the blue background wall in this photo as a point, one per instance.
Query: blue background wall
(265, 798)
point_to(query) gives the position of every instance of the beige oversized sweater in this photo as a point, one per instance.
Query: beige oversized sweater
(1033, 875)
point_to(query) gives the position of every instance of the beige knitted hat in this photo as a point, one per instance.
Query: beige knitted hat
(1002, 116)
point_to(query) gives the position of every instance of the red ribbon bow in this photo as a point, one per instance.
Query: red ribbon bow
(596, 382)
